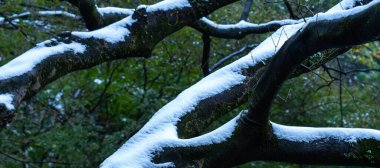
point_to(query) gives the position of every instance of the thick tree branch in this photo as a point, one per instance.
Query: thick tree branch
(236, 142)
(105, 16)
(325, 31)
(327, 146)
(134, 36)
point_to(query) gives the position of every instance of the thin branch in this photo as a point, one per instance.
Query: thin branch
(290, 10)
(37, 162)
(206, 54)
(6, 19)
(240, 52)
(246, 10)
(340, 93)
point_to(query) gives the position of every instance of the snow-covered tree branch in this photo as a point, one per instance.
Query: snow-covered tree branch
(133, 36)
(249, 136)
(175, 136)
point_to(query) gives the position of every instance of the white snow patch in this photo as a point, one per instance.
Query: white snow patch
(112, 33)
(28, 60)
(6, 99)
(244, 24)
(98, 81)
(58, 13)
(167, 5)
(343, 5)
(110, 10)
(309, 134)
(57, 102)
(144, 147)
(335, 13)
(44, 13)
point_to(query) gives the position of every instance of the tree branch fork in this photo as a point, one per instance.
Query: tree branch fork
(169, 139)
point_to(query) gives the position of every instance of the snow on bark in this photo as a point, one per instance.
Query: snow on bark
(6, 99)
(27, 61)
(334, 13)
(144, 146)
(167, 5)
(113, 33)
(115, 10)
(343, 5)
(309, 134)
(244, 24)
(44, 13)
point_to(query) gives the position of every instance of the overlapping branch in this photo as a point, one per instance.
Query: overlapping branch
(134, 36)
(250, 136)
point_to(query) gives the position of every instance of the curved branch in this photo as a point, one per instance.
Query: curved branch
(134, 36)
(324, 31)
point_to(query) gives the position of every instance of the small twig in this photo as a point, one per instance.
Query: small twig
(206, 54)
(290, 10)
(340, 94)
(246, 10)
(232, 55)
(101, 97)
(15, 26)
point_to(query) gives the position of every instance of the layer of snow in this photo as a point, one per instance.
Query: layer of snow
(168, 5)
(6, 99)
(58, 13)
(28, 60)
(143, 148)
(14, 18)
(113, 33)
(309, 134)
(44, 13)
(244, 24)
(110, 10)
(336, 14)
(343, 5)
